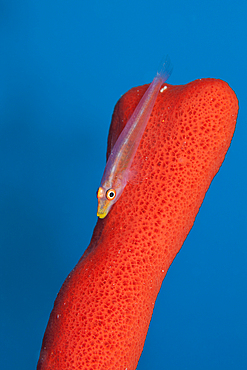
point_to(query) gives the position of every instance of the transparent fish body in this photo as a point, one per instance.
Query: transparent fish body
(117, 168)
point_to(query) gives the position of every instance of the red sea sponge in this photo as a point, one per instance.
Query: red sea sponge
(102, 312)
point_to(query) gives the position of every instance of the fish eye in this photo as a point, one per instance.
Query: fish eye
(110, 194)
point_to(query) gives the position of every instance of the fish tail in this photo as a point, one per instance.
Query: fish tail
(165, 69)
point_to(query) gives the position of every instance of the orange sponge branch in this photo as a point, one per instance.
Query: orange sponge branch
(102, 312)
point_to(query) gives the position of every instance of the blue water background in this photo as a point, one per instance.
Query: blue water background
(63, 66)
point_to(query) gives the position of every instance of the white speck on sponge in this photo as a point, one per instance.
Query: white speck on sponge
(163, 89)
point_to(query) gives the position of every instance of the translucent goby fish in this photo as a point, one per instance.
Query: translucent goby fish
(117, 170)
